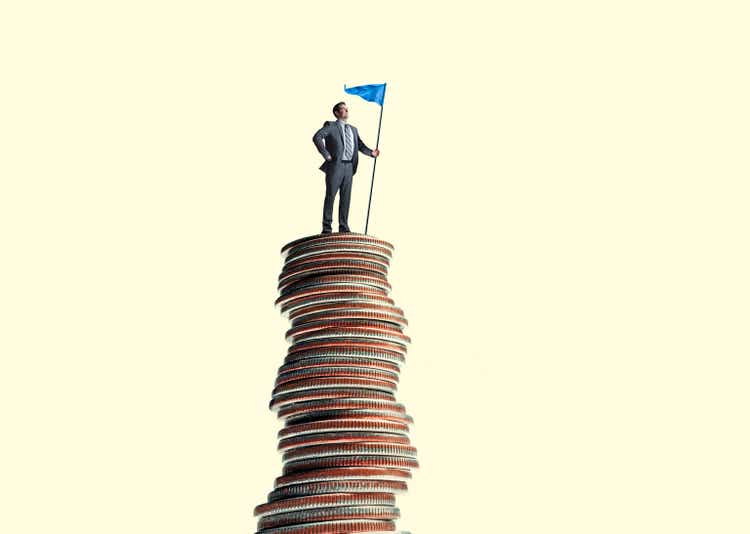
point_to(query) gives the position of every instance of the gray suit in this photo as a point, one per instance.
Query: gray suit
(329, 141)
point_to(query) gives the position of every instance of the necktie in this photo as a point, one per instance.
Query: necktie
(347, 143)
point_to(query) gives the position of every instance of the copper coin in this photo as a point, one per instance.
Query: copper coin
(350, 246)
(354, 485)
(325, 438)
(343, 473)
(330, 462)
(333, 263)
(335, 527)
(355, 316)
(336, 372)
(329, 382)
(333, 238)
(342, 404)
(344, 306)
(363, 414)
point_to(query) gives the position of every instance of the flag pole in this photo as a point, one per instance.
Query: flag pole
(374, 163)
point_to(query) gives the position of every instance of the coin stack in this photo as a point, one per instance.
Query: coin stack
(345, 440)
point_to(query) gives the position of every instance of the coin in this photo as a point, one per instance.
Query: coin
(299, 303)
(369, 280)
(336, 382)
(329, 393)
(344, 306)
(326, 500)
(334, 238)
(344, 348)
(335, 527)
(311, 407)
(333, 513)
(335, 372)
(329, 462)
(349, 361)
(343, 473)
(348, 486)
(325, 438)
(349, 292)
(342, 449)
(374, 426)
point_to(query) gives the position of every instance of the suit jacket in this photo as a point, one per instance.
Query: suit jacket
(334, 145)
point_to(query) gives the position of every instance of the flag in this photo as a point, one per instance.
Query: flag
(373, 93)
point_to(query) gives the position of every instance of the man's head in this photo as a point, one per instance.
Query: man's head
(340, 111)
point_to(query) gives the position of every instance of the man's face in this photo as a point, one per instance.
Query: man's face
(343, 112)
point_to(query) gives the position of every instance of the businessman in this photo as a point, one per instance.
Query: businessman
(338, 142)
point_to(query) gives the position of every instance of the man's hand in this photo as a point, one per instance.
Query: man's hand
(375, 153)
(329, 158)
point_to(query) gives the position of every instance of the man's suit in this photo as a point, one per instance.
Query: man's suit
(329, 141)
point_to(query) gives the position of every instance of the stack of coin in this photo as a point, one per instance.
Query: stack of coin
(345, 441)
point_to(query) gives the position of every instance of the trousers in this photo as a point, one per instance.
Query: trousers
(338, 179)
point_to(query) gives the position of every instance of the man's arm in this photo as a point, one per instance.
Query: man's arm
(363, 147)
(320, 144)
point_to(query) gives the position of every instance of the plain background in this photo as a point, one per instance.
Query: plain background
(566, 186)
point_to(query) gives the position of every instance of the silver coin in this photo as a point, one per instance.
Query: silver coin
(342, 404)
(337, 425)
(343, 473)
(336, 371)
(326, 500)
(348, 292)
(344, 449)
(341, 361)
(374, 280)
(299, 304)
(364, 414)
(338, 245)
(335, 513)
(346, 486)
(345, 350)
(334, 382)
(279, 401)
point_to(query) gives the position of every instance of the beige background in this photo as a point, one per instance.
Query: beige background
(566, 185)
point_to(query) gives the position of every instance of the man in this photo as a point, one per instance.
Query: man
(338, 142)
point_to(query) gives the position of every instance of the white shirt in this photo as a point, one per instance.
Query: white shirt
(346, 130)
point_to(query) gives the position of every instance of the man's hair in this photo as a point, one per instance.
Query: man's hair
(337, 106)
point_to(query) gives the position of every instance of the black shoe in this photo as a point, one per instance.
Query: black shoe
(326, 232)
(345, 231)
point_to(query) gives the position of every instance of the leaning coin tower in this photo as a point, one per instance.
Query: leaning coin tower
(345, 440)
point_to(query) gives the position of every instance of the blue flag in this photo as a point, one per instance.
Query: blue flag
(373, 93)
